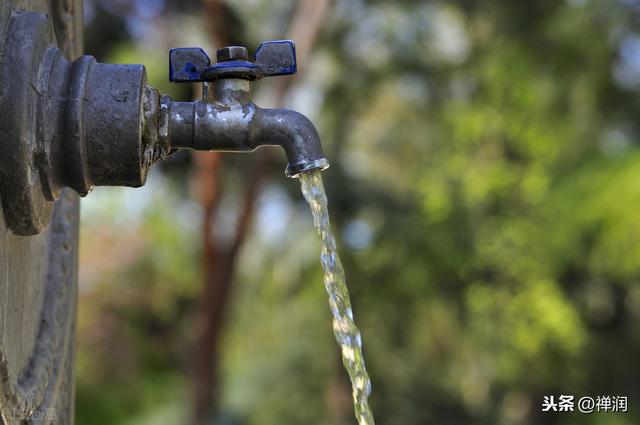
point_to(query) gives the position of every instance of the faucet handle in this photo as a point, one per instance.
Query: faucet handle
(191, 64)
(186, 64)
(277, 57)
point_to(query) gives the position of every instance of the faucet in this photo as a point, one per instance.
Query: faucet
(81, 123)
(226, 119)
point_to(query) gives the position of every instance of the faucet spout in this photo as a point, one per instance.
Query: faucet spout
(226, 120)
(295, 133)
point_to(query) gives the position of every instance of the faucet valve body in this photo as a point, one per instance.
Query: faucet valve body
(81, 124)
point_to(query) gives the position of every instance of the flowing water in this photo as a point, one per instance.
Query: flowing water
(344, 328)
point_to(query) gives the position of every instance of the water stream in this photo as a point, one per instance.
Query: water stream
(344, 328)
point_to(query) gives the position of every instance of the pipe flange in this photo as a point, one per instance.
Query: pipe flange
(73, 124)
(26, 210)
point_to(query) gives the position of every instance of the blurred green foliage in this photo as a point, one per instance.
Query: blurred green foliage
(484, 184)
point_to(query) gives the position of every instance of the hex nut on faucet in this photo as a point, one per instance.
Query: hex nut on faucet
(232, 53)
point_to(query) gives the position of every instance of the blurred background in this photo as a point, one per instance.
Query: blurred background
(484, 188)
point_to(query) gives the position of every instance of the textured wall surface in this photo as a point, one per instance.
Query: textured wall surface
(38, 279)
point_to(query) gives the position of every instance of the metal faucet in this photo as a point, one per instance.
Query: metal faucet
(82, 124)
(226, 119)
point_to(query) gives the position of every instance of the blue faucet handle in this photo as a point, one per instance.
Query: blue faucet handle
(277, 57)
(186, 64)
(191, 64)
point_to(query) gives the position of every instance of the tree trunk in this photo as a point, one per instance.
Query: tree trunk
(220, 261)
